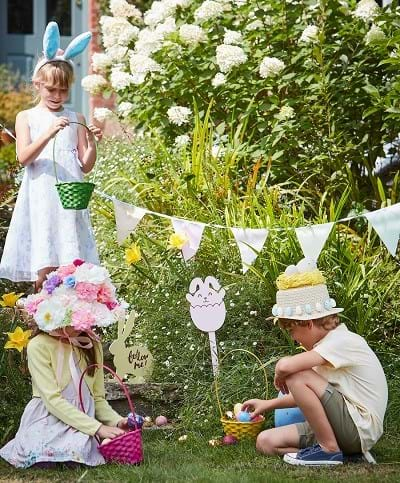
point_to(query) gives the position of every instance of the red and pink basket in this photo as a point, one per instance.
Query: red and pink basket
(127, 448)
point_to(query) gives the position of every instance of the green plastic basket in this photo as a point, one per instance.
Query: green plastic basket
(74, 195)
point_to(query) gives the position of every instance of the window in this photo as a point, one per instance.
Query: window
(20, 16)
(60, 12)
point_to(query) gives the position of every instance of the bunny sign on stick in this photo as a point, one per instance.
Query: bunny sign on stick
(135, 360)
(207, 309)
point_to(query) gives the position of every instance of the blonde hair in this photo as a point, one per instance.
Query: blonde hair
(329, 322)
(56, 73)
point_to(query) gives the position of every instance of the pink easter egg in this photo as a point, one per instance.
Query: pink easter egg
(161, 421)
(229, 439)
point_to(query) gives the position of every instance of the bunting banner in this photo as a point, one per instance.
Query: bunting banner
(250, 242)
(386, 223)
(194, 233)
(127, 217)
(312, 238)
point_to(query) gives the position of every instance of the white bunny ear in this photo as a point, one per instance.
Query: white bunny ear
(212, 283)
(51, 40)
(77, 45)
(195, 284)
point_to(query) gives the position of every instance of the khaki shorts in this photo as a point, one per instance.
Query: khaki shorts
(338, 415)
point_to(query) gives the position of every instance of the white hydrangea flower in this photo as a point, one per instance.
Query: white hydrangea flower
(120, 79)
(140, 66)
(375, 34)
(208, 10)
(239, 3)
(271, 66)
(149, 41)
(94, 83)
(100, 62)
(181, 141)
(125, 108)
(366, 10)
(102, 113)
(117, 53)
(285, 113)
(117, 30)
(310, 34)
(191, 34)
(255, 25)
(232, 38)
(218, 80)
(179, 115)
(229, 56)
(121, 8)
(158, 12)
(167, 27)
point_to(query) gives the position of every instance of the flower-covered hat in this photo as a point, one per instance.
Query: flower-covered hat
(79, 295)
(52, 51)
(302, 293)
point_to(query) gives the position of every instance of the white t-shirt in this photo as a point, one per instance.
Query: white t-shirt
(356, 372)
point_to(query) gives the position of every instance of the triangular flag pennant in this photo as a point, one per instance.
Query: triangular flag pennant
(249, 241)
(312, 238)
(194, 232)
(386, 223)
(127, 218)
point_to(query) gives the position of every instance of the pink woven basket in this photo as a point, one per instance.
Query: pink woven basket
(127, 448)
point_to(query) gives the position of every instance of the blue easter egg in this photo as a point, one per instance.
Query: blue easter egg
(139, 421)
(244, 417)
(286, 416)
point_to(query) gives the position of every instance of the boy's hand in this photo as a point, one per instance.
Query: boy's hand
(256, 406)
(59, 123)
(94, 133)
(109, 432)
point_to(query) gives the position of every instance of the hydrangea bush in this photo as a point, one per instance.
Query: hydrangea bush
(313, 84)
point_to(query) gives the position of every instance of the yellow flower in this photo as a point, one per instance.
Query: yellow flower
(178, 240)
(10, 299)
(18, 339)
(132, 254)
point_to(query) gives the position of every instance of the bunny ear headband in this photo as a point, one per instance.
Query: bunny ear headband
(52, 51)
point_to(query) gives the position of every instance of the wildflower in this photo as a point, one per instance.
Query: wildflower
(125, 108)
(133, 254)
(218, 80)
(208, 10)
(10, 299)
(366, 10)
(120, 79)
(310, 34)
(229, 56)
(232, 38)
(100, 61)
(375, 34)
(191, 34)
(182, 438)
(102, 113)
(94, 83)
(179, 115)
(18, 339)
(182, 140)
(121, 8)
(178, 240)
(285, 113)
(271, 66)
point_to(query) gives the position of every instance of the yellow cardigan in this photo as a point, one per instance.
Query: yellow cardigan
(42, 362)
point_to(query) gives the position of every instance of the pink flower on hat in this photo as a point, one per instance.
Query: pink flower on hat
(32, 305)
(66, 270)
(105, 294)
(77, 262)
(82, 320)
(87, 291)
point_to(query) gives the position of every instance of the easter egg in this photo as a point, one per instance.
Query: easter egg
(286, 416)
(161, 421)
(138, 418)
(237, 408)
(105, 441)
(229, 439)
(148, 422)
(243, 417)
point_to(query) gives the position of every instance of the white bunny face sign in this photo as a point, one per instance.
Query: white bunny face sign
(134, 360)
(207, 306)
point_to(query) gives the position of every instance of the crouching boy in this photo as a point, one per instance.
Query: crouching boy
(338, 383)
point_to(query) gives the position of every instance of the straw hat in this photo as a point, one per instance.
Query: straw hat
(303, 294)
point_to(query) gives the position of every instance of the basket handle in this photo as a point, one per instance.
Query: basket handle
(54, 151)
(216, 380)
(131, 407)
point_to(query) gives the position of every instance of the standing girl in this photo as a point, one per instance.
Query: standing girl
(42, 235)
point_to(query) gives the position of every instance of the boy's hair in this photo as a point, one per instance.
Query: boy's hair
(329, 322)
(56, 73)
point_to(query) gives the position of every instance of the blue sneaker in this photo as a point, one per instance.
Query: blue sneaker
(314, 456)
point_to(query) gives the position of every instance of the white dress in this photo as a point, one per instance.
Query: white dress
(42, 233)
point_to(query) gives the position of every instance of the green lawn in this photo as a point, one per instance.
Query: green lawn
(168, 460)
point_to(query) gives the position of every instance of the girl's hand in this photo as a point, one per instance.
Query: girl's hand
(59, 123)
(257, 406)
(109, 432)
(280, 384)
(123, 424)
(93, 133)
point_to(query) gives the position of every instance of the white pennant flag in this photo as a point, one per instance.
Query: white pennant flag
(312, 238)
(249, 241)
(194, 233)
(386, 223)
(127, 218)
